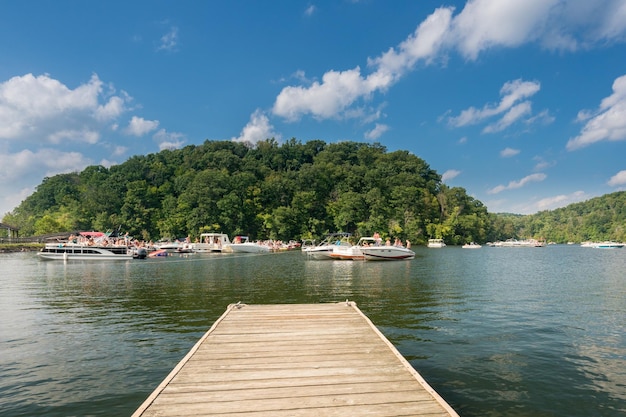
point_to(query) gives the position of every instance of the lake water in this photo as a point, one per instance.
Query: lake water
(496, 331)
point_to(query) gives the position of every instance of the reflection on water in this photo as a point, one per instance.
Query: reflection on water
(497, 331)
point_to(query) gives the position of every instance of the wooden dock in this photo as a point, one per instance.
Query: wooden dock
(294, 360)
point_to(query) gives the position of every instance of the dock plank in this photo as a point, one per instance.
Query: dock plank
(294, 360)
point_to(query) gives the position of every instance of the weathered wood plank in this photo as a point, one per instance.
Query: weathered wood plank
(294, 360)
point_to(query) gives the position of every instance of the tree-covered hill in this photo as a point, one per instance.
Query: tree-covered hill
(283, 191)
(598, 219)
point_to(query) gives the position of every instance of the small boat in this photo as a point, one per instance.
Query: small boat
(603, 245)
(325, 248)
(242, 244)
(372, 251)
(170, 245)
(212, 242)
(525, 243)
(436, 243)
(471, 245)
(344, 250)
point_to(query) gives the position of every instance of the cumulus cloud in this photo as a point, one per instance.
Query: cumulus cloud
(377, 131)
(509, 152)
(618, 179)
(340, 89)
(607, 122)
(479, 26)
(450, 174)
(33, 108)
(138, 126)
(511, 107)
(257, 129)
(518, 184)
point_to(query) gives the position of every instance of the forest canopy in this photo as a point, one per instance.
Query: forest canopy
(288, 191)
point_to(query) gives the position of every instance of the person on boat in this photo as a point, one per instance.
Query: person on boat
(388, 242)
(408, 244)
(377, 238)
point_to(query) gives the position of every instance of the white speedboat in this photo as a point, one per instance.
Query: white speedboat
(371, 251)
(242, 244)
(603, 245)
(74, 252)
(212, 242)
(436, 243)
(169, 245)
(325, 248)
(471, 245)
(343, 250)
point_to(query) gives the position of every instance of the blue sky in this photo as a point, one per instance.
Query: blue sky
(520, 102)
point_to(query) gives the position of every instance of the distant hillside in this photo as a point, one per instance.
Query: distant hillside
(283, 191)
(598, 219)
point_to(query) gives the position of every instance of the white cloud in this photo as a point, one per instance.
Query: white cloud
(508, 152)
(86, 136)
(138, 126)
(618, 179)
(518, 184)
(554, 24)
(485, 24)
(310, 10)
(425, 43)
(512, 92)
(377, 131)
(21, 171)
(119, 150)
(257, 129)
(481, 25)
(112, 108)
(340, 89)
(33, 108)
(450, 174)
(562, 200)
(608, 122)
(169, 41)
(169, 140)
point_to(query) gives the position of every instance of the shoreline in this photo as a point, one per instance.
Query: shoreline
(20, 247)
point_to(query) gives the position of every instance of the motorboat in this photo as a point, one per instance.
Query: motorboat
(471, 245)
(212, 242)
(89, 246)
(242, 244)
(514, 243)
(170, 245)
(603, 245)
(372, 251)
(324, 250)
(436, 243)
(344, 250)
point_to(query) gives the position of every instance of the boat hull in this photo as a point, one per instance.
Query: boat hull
(84, 253)
(319, 253)
(385, 253)
(248, 248)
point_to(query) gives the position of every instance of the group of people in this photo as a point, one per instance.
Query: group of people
(378, 241)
